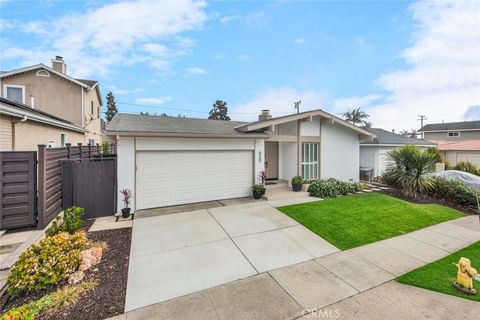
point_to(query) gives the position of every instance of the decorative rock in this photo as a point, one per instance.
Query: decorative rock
(76, 277)
(89, 258)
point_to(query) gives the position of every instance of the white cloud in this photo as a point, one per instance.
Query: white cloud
(299, 40)
(93, 41)
(279, 101)
(153, 100)
(442, 77)
(194, 70)
(362, 46)
(343, 104)
(228, 19)
(120, 91)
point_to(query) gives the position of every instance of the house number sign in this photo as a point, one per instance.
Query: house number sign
(260, 156)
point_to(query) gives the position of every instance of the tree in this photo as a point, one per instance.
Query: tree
(410, 169)
(219, 111)
(111, 107)
(413, 134)
(357, 116)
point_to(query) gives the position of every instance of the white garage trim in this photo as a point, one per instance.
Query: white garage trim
(166, 178)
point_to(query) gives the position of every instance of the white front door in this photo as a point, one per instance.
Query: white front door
(166, 178)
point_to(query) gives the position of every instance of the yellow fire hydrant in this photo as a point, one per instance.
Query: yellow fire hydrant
(465, 275)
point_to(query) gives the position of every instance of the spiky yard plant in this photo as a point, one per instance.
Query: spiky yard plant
(410, 169)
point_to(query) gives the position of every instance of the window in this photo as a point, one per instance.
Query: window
(453, 134)
(63, 139)
(310, 160)
(14, 93)
(98, 112)
(91, 108)
(43, 73)
(51, 144)
(91, 142)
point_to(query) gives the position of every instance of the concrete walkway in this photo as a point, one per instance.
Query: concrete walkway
(250, 261)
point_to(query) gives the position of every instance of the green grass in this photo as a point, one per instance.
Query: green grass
(439, 275)
(355, 220)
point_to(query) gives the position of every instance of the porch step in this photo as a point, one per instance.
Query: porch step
(283, 193)
(279, 184)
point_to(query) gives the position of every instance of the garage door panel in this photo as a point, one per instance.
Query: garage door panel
(168, 178)
(473, 157)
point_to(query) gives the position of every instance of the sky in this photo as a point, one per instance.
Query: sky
(394, 59)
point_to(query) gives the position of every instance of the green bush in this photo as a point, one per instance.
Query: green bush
(330, 188)
(454, 191)
(71, 221)
(20, 313)
(47, 263)
(467, 167)
(296, 180)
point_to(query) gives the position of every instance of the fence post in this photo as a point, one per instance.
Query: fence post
(42, 167)
(69, 150)
(99, 154)
(80, 148)
(89, 150)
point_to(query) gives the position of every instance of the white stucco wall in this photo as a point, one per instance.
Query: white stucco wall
(127, 147)
(126, 169)
(339, 152)
(310, 128)
(287, 160)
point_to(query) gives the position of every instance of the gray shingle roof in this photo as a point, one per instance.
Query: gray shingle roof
(89, 83)
(122, 122)
(465, 125)
(385, 137)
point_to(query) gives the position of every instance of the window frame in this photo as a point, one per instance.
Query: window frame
(91, 108)
(65, 141)
(310, 159)
(453, 134)
(6, 86)
(38, 74)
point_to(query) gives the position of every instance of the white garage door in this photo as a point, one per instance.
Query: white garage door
(473, 157)
(166, 178)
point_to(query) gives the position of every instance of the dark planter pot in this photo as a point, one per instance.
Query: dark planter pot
(263, 192)
(125, 212)
(296, 187)
(257, 195)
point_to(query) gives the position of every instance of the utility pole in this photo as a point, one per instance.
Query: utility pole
(421, 118)
(297, 105)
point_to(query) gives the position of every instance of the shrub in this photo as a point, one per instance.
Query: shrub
(20, 313)
(106, 148)
(71, 221)
(330, 188)
(47, 263)
(454, 191)
(258, 188)
(467, 167)
(296, 180)
(410, 168)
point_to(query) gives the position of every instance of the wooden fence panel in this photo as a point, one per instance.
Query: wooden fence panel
(17, 189)
(90, 184)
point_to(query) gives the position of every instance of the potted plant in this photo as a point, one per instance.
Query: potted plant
(306, 184)
(127, 196)
(296, 183)
(258, 190)
(263, 176)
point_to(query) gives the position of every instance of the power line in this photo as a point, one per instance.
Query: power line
(181, 109)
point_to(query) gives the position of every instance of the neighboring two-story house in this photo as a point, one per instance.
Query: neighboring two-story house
(52, 91)
(459, 141)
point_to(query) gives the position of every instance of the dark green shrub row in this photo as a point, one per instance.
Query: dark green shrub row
(467, 167)
(330, 188)
(454, 191)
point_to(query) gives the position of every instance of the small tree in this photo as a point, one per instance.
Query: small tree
(111, 107)
(356, 117)
(219, 111)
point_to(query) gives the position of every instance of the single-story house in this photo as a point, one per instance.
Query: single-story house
(458, 141)
(374, 153)
(169, 161)
(23, 128)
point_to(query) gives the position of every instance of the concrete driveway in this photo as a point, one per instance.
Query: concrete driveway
(187, 252)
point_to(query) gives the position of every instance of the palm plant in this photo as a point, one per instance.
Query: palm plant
(410, 169)
(357, 116)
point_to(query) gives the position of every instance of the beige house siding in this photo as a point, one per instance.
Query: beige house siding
(6, 138)
(92, 120)
(39, 133)
(464, 135)
(53, 94)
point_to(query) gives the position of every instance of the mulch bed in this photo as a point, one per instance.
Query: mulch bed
(107, 299)
(424, 199)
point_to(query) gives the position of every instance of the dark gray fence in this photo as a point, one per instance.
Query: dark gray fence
(17, 189)
(90, 184)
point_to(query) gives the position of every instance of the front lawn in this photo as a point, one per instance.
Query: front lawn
(355, 220)
(439, 275)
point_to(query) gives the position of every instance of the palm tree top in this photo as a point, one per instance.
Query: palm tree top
(356, 116)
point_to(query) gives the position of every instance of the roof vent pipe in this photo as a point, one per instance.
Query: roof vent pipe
(265, 115)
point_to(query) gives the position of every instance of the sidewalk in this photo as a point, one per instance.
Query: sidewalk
(291, 291)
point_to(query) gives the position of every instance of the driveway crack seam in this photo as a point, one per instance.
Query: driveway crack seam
(233, 241)
(213, 304)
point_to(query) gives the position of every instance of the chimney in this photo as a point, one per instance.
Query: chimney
(59, 65)
(265, 115)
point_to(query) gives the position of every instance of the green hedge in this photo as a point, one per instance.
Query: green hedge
(454, 191)
(467, 167)
(330, 188)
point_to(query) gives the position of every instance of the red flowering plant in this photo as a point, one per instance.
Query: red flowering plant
(263, 176)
